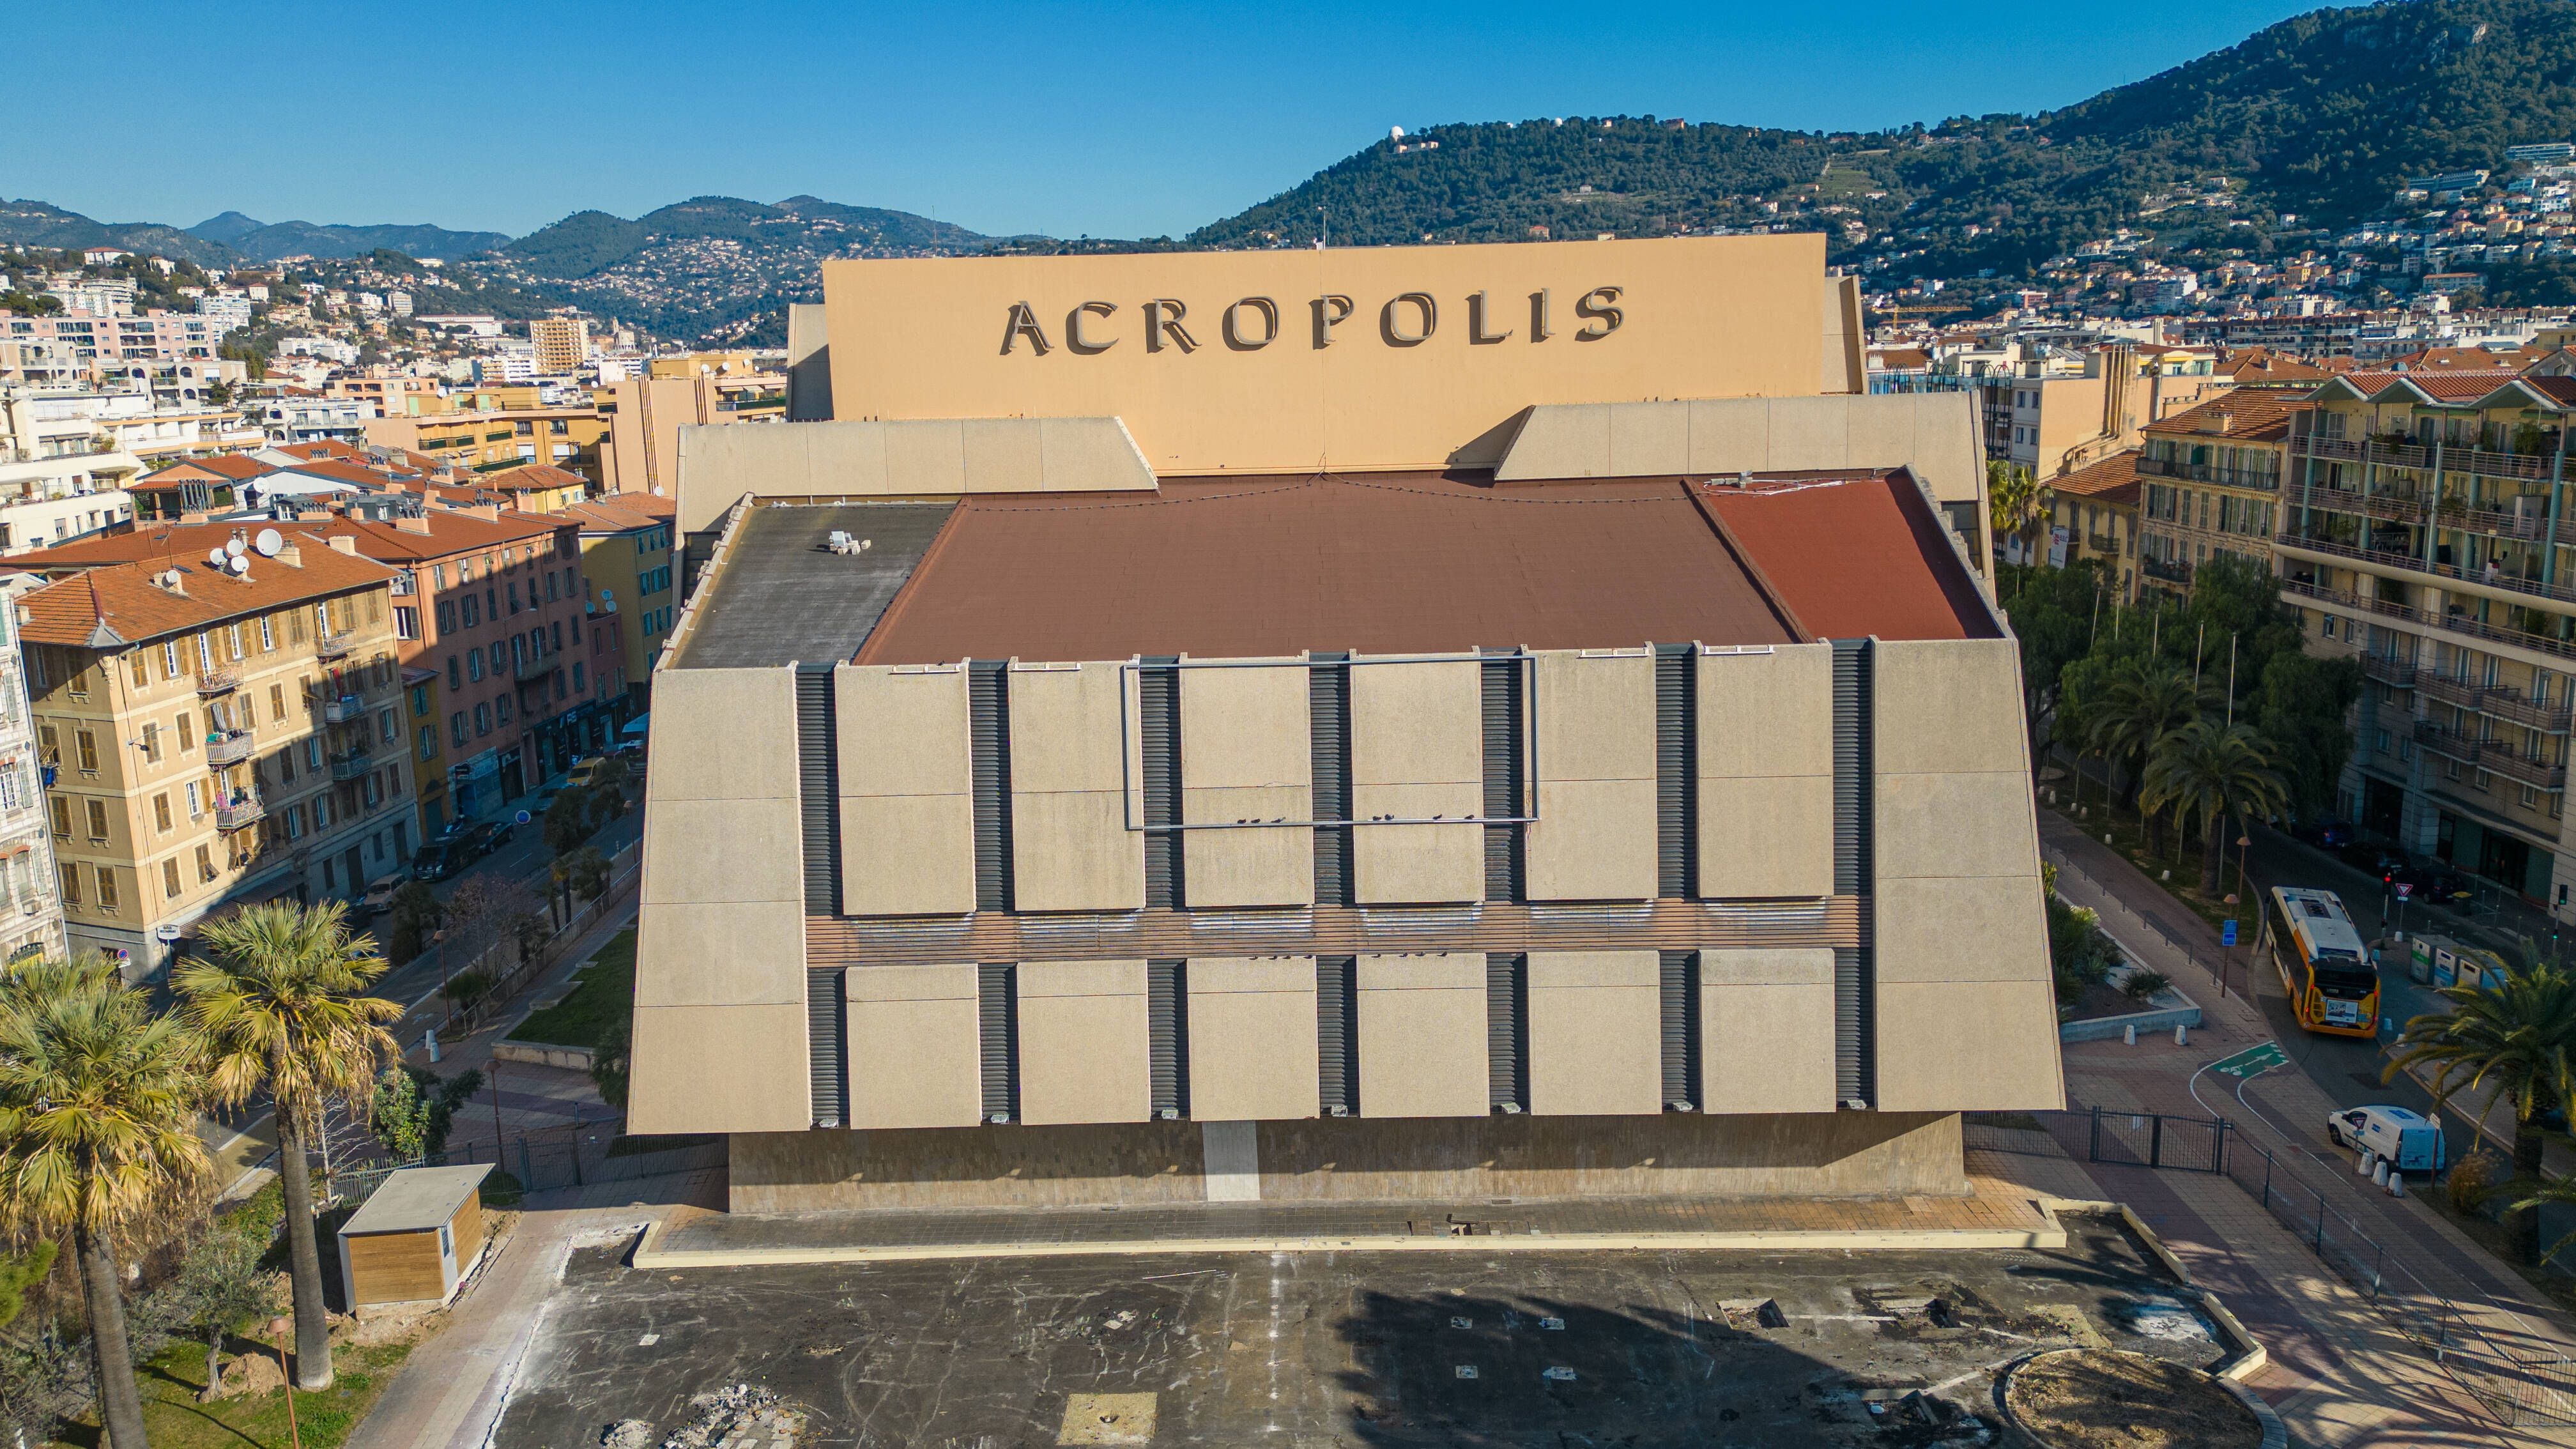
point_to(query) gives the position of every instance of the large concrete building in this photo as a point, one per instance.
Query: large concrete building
(1374, 724)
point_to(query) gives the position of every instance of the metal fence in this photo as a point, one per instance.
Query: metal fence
(2520, 1383)
(512, 967)
(2158, 1139)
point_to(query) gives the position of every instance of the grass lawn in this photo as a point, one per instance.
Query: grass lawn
(602, 994)
(174, 1419)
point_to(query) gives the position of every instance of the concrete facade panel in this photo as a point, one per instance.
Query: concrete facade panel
(720, 953)
(1595, 715)
(1956, 825)
(1072, 851)
(1595, 1033)
(1417, 724)
(1949, 704)
(1968, 1046)
(1422, 1036)
(1594, 840)
(728, 734)
(1767, 1031)
(1246, 727)
(907, 855)
(1647, 439)
(1249, 867)
(927, 457)
(1767, 713)
(1766, 836)
(720, 1069)
(1008, 451)
(1084, 1052)
(1416, 864)
(903, 730)
(915, 1048)
(1252, 1033)
(723, 850)
(1068, 729)
(1961, 929)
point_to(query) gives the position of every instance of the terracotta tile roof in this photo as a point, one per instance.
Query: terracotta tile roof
(450, 533)
(2448, 386)
(620, 511)
(236, 467)
(2261, 364)
(2114, 480)
(533, 477)
(118, 604)
(336, 470)
(2250, 415)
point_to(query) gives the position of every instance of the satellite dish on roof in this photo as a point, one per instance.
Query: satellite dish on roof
(234, 546)
(215, 556)
(240, 565)
(268, 542)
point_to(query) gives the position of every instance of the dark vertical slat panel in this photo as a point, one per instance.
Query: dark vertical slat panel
(998, 1010)
(1167, 1033)
(1855, 1030)
(1677, 771)
(818, 789)
(1681, 1028)
(1507, 1030)
(989, 708)
(1158, 715)
(826, 1045)
(1328, 702)
(1337, 1033)
(1504, 738)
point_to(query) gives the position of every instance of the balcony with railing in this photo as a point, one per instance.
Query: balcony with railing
(212, 682)
(2462, 624)
(230, 747)
(343, 708)
(354, 763)
(2522, 768)
(2442, 740)
(2382, 453)
(330, 647)
(2263, 479)
(2395, 673)
(2408, 561)
(533, 667)
(2527, 517)
(2504, 704)
(2171, 570)
(241, 812)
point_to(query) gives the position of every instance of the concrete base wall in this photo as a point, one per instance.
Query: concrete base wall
(1848, 1155)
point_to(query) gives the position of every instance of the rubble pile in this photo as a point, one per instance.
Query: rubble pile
(739, 1416)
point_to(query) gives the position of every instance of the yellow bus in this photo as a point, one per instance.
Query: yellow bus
(2325, 969)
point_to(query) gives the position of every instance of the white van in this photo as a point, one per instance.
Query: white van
(2404, 1139)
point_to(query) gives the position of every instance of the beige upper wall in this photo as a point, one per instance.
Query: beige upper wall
(1247, 754)
(1422, 1035)
(1071, 804)
(1595, 837)
(1932, 434)
(1766, 762)
(1418, 753)
(927, 459)
(1253, 1038)
(906, 790)
(1595, 1033)
(1085, 1053)
(1698, 317)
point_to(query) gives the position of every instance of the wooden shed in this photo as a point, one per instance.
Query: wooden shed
(416, 1237)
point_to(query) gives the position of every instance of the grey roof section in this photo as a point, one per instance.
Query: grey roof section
(416, 1199)
(783, 597)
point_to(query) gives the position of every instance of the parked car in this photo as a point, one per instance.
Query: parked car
(2405, 1139)
(2325, 831)
(379, 896)
(459, 846)
(587, 771)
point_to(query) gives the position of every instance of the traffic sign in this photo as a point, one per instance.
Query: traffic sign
(2405, 889)
(2227, 932)
(524, 817)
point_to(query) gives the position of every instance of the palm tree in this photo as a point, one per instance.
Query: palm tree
(278, 1005)
(2017, 500)
(98, 1130)
(2145, 700)
(2211, 771)
(2514, 1039)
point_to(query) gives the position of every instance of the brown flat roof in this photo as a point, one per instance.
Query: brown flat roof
(1385, 564)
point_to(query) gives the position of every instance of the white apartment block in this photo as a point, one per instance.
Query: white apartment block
(31, 907)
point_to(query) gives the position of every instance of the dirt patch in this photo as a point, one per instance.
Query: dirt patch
(2099, 1398)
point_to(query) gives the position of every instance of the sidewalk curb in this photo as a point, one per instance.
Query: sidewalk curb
(2246, 1355)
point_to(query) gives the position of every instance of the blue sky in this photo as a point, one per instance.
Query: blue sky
(1107, 120)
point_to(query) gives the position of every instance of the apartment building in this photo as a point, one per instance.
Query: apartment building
(562, 344)
(2211, 479)
(2424, 531)
(1066, 793)
(2095, 516)
(213, 734)
(31, 908)
(2052, 424)
(96, 341)
(482, 439)
(626, 555)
